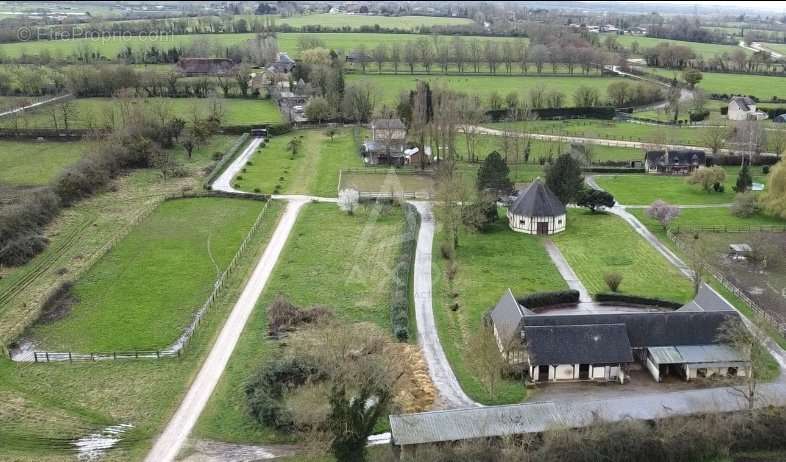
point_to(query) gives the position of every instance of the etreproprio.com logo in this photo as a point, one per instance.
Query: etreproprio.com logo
(25, 34)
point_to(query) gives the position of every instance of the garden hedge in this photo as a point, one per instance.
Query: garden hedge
(541, 299)
(399, 304)
(635, 300)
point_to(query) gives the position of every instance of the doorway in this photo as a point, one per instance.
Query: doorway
(543, 227)
(543, 373)
(584, 370)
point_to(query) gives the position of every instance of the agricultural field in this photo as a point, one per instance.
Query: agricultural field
(145, 290)
(485, 271)
(713, 216)
(707, 50)
(645, 189)
(314, 169)
(99, 112)
(35, 163)
(354, 273)
(388, 181)
(57, 404)
(597, 244)
(389, 87)
(764, 87)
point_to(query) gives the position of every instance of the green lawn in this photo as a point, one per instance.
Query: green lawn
(646, 189)
(488, 264)
(38, 162)
(52, 404)
(597, 244)
(145, 290)
(761, 86)
(389, 87)
(314, 169)
(331, 259)
(94, 112)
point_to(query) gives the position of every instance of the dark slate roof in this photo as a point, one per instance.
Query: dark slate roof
(676, 157)
(537, 201)
(208, 66)
(579, 344)
(744, 102)
(282, 64)
(707, 300)
(507, 316)
(780, 118)
(358, 57)
(651, 328)
(390, 124)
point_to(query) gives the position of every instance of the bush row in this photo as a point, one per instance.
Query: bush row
(591, 112)
(22, 223)
(611, 169)
(399, 305)
(541, 299)
(735, 159)
(635, 300)
(229, 156)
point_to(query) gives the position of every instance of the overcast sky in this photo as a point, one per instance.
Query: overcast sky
(770, 6)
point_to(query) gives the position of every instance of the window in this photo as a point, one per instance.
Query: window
(701, 372)
(522, 221)
(559, 222)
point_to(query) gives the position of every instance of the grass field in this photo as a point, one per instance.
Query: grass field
(144, 291)
(332, 259)
(51, 405)
(389, 87)
(36, 163)
(94, 112)
(597, 244)
(356, 21)
(388, 181)
(488, 264)
(715, 216)
(111, 46)
(314, 169)
(761, 86)
(707, 50)
(539, 148)
(645, 189)
(624, 131)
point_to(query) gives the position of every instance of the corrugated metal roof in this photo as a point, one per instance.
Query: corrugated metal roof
(481, 422)
(695, 354)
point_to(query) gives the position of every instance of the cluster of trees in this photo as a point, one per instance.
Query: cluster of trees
(459, 54)
(687, 29)
(143, 138)
(673, 56)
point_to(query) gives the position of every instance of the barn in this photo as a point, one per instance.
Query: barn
(537, 210)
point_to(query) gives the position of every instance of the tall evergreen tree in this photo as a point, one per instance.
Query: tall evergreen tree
(564, 179)
(493, 175)
(744, 179)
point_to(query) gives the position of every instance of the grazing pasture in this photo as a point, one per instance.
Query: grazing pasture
(35, 163)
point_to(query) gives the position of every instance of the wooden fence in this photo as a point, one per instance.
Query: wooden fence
(676, 229)
(174, 350)
(778, 324)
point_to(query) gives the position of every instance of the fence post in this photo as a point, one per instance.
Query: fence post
(69, 357)
(35, 356)
(47, 356)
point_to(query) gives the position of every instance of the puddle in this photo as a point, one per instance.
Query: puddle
(93, 446)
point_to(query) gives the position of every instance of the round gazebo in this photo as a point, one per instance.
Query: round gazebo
(537, 210)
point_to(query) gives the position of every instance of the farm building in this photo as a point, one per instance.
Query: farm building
(674, 162)
(744, 108)
(603, 345)
(537, 210)
(282, 65)
(205, 66)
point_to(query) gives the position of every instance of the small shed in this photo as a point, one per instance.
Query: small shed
(740, 251)
(779, 118)
(537, 210)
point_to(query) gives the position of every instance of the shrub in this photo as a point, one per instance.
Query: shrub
(613, 281)
(635, 300)
(745, 205)
(765, 170)
(266, 388)
(541, 299)
(284, 316)
(447, 250)
(21, 226)
(217, 155)
(257, 190)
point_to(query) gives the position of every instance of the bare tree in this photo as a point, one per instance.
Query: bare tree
(485, 358)
(395, 55)
(475, 53)
(411, 55)
(380, 56)
(69, 112)
(749, 342)
(459, 52)
(492, 55)
(714, 137)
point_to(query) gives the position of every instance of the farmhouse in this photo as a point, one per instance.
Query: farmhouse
(537, 210)
(204, 66)
(386, 146)
(674, 162)
(744, 108)
(603, 345)
(282, 65)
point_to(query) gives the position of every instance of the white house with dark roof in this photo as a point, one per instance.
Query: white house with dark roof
(744, 108)
(537, 210)
(600, 345)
